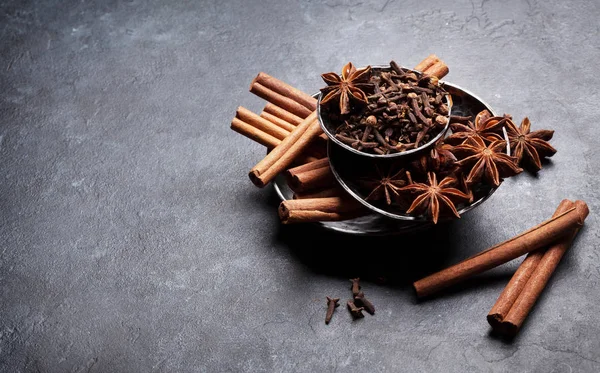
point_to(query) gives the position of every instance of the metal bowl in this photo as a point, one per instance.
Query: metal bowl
(329, 127)
(346, 165)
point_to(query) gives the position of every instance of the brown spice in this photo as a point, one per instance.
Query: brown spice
(364, 302)
(528, 241)
(516, 284)
(332, 304)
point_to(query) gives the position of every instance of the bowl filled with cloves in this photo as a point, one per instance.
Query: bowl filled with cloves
(383, 111)
(402, 147)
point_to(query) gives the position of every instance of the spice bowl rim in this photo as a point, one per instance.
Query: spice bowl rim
(401, 154)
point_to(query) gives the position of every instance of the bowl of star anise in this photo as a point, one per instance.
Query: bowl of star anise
(455, 174)
(383, 111)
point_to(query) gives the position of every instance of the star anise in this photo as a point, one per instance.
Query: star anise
(350, 85)
(435, 199)
(528, 147)
(439, 159)
(384, 186)
(486, 161)
(487, 127)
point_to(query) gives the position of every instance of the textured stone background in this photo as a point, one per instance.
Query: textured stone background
(131, 239)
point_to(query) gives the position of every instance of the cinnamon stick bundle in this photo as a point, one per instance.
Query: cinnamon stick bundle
(311, 176)
(530, 240)
(262, 124)
(516, 284)
(265, 135)
(319, 209)
(538, 280)
(283, 155)
(254, 133)
(277, 114)
(282, 113)
(278, 121)
(286, 90)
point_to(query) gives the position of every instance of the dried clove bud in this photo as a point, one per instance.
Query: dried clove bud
(355, 286)
(332, 303)
(371, 120)
(364, 302)
(356, 312)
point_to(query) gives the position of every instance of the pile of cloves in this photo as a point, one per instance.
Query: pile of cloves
(403, 112)
(356, 305)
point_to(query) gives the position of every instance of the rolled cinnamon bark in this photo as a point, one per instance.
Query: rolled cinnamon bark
(262, 124)
(439, 70)
(517, 282)
(427, 63)
(538, 280)
(278, 121)
(254, 133)
(310, 176)
(313, 153)
(283, 155)
(319, 209)
(286, 90)
(530, 240)
(282, 113)
(284, 102)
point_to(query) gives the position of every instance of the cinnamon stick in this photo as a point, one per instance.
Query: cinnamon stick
(538, 280)
(286, 90)
(283, 155)
(439, 70)
(284, 102)
(319, 209)
(530, 240)
(519, 279)
(310, 176)
(282, 113)
(254, 133)
(262, 124)
(431, 60)
(286, 116)
(278, 121)
(312, 154)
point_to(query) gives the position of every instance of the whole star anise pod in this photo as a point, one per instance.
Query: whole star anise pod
(486, 127)
(384, 186)
(486, 162)
(435, 199)
(528, 147)
(349, 85)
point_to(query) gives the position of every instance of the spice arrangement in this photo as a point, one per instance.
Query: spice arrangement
(442, 162)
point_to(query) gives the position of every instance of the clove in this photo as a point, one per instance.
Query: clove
(355, 286)
(332, 303)
(364, 302)
(356, 312)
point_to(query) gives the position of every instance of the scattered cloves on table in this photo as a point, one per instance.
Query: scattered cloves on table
(364, 302)
(332, 303)
(356, 312)
(355, 286)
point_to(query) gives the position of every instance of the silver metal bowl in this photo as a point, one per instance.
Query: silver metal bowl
(329, 127)
(340, 161)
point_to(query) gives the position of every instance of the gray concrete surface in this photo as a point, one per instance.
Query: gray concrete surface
(131, 239)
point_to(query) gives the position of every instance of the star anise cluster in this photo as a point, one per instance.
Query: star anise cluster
(464, 165)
